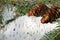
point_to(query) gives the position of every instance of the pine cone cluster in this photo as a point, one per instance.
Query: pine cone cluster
(48, 14)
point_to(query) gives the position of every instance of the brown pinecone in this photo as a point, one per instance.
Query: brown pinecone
(48, 14)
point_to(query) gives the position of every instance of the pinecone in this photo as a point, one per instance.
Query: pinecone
(48, 14)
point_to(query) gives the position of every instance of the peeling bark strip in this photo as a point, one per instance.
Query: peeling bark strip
(48, 14)
(10, 20)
